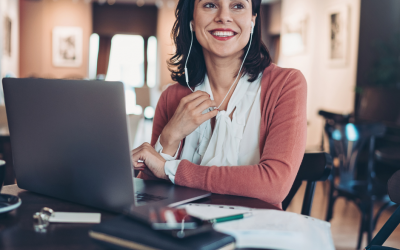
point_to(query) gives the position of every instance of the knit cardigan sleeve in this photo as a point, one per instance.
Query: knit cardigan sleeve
(285, 126)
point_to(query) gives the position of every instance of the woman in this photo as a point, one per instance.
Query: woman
(243, 129)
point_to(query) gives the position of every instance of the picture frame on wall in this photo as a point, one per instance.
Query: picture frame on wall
(338, 26)
(67, 46)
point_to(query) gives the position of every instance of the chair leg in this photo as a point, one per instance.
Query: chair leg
(331, 201)
(361, 233)
(370, 226)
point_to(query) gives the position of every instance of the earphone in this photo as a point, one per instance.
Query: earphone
(244, 59)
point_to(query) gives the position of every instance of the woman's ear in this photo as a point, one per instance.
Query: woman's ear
(253, 19)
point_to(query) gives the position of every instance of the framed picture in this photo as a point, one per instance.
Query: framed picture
(338, 21)
(67, 46)
(294, 35)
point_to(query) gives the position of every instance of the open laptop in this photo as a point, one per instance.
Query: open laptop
(69, 140)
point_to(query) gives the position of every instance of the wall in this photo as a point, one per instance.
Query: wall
(165, 22)
(329, 88)
(379, 21)
(37, 20)
(9, 60)
(124, 19)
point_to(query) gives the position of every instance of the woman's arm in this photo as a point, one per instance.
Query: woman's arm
(272, 178)
(186, 117)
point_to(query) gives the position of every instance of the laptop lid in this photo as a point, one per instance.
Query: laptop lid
(69, 140)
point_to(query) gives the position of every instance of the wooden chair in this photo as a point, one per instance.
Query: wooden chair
(314, 167)
(393, 221)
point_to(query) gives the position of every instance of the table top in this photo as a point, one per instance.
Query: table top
(16, 227)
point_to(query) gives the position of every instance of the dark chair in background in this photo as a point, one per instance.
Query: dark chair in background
(314, 167)
(393, 221)
(357, 180)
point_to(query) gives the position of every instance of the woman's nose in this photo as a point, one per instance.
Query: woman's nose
(223, 15)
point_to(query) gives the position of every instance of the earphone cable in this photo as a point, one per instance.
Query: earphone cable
(240, 69)
(244, 59)
(187, 58)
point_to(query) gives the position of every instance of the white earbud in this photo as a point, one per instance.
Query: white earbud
(252, 27)
(191, 27)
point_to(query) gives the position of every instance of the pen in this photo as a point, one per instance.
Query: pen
(230, 218)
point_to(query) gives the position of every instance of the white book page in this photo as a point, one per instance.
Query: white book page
(269, 228)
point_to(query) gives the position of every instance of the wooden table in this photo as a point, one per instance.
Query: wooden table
(16, 227)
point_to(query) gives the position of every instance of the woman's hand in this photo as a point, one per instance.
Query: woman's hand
(187, 117)
(152, 161)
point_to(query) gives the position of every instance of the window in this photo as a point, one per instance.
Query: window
(127, 65)
(93, 55)
(151, 61)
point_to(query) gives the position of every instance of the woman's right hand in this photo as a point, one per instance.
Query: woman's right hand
(187, 117)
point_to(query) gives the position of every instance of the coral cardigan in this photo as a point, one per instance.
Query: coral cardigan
(282, 141)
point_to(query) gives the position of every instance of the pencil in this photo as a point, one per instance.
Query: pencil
(230, 218)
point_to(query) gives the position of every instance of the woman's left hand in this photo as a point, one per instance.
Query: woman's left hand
(152, 160)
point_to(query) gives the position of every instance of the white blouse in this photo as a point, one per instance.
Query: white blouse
(231, 138)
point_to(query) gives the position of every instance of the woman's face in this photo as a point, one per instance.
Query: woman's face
(223, 27)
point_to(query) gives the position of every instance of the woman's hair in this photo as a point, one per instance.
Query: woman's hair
(256, 61)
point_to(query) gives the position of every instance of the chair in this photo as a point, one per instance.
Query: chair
(314, 167)
(393, 221)
(357, 180)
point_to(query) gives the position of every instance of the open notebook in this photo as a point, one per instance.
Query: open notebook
(268, 228)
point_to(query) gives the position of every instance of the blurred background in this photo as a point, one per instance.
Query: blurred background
(348, 50)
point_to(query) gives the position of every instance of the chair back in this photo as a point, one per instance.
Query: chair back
(346, 140)
(393, 222)
(394, 187)
(314, 167)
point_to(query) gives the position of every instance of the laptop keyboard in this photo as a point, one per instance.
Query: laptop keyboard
(144, 197)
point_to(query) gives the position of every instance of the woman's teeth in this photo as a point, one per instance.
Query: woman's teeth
(222, 33)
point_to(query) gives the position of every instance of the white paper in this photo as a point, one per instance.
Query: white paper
(70, 217)
(270, 228)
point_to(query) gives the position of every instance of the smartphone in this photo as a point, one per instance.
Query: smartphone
(174, 221)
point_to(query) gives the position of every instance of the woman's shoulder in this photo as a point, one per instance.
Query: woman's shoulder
(172, 95)
(277, 78)
(175, 90)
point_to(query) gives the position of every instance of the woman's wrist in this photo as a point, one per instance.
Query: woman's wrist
(169, 142)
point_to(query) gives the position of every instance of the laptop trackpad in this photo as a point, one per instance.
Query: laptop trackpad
(164, 193)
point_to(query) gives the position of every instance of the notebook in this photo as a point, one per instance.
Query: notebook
(125, 233)
(268, 229)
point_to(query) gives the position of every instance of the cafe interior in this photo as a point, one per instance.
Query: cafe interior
(347, 50)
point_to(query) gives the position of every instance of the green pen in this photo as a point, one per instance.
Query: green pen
(230, 218)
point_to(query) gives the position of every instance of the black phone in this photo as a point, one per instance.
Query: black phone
(173, 221)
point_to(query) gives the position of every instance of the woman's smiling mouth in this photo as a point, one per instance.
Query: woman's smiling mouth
(222, 34)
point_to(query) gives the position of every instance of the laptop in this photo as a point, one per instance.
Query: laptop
(69, 140)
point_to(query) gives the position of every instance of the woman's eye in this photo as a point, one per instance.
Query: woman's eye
(238, 6)
(209, 5)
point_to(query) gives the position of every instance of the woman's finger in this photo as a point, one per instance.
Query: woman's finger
(140, 166)
(205, 105)
(207, 116)
(136, 156)
(193, 96)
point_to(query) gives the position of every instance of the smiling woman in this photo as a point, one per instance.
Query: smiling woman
(244, 12)
(243, 129)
